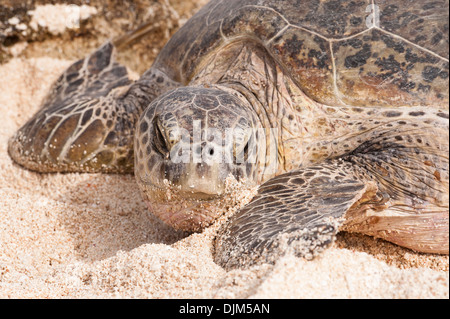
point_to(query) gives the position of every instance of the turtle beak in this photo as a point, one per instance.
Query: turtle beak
(182, 210)
(202, 180)
(200, 196)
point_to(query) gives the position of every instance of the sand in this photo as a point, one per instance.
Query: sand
(91, 236)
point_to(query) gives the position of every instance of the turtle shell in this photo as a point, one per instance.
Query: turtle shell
(347, 52)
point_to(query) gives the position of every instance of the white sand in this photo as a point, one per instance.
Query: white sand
(90, 236)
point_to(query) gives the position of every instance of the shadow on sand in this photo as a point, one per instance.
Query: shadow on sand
(105, 214)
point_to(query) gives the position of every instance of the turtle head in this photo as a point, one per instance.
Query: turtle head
(188, 142)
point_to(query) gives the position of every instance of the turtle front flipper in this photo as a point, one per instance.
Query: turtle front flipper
(74, 129)
(300, 211)
(394, 186)
(87, 122)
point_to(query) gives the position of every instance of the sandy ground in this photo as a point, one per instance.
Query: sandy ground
(91, 236)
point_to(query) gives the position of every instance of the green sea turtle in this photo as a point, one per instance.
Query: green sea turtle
(338, 109)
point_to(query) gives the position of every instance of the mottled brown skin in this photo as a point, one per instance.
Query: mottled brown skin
(358, 101)
(87, 122)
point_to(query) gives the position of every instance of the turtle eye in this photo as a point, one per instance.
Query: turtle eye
(246, 151)
(241, 156)
(159, 141)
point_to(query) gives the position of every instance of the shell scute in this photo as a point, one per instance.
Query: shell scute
(379, 69)
(424, 23)
(353, 53)
(308, 59)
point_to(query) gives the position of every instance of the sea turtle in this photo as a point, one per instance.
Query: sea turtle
(338, 109)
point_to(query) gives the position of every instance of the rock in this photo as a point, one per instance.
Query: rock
(72, 31)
